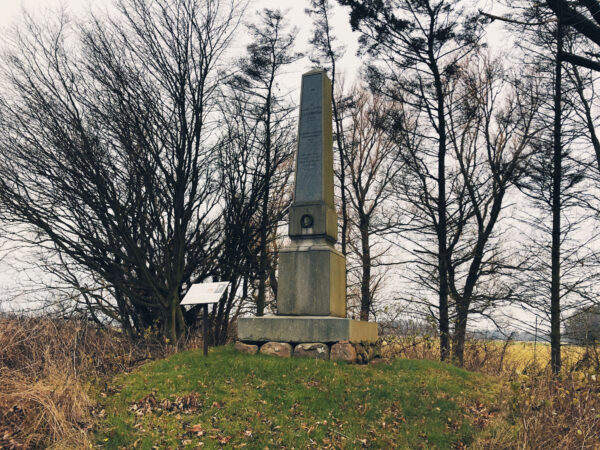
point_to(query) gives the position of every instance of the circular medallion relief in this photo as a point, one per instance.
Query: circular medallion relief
(306, 221)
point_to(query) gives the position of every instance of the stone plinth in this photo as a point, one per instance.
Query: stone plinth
(299, 329)
(312, 280)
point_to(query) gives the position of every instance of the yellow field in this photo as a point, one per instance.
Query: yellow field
(522, 355)
(491, 356)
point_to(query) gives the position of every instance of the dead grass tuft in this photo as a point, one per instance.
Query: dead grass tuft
(48, 370)
(538, 410)
(556, 412)
(52, 410)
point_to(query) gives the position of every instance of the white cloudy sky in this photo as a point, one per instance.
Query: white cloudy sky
(11, 12)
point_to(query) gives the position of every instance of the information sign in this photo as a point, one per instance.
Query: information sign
(203, 293)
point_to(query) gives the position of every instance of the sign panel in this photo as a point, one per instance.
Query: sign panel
(204, 293)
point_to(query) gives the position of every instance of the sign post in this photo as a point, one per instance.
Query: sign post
(205, 294)
(205, 329)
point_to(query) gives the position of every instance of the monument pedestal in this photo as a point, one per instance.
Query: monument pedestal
(299, 329)
(312, 280)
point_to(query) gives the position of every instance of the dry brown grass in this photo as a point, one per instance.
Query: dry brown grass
(556, 412)
(539, 410)
(48, 371)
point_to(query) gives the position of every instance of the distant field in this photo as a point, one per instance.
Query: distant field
(524, 354)
(490, 356)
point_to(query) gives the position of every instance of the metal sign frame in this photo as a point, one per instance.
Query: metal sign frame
(205, 294)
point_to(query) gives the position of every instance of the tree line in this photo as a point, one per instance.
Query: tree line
(140, 155)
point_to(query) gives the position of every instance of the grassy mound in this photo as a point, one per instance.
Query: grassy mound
(256, 401)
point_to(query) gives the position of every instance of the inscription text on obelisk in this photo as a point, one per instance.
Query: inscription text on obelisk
(309, 164)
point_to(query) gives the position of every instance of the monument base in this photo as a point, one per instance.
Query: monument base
(298, 329)
(312, 280)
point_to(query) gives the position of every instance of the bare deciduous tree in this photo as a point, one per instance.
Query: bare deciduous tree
(271, 50)
(416, 47)
(373, 161)
(106, 155)
(491, 128)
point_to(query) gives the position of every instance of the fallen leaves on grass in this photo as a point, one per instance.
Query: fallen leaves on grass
(185, 404)
(198, 429)
(479, 415)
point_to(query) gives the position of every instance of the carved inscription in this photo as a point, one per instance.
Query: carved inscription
(309, 165)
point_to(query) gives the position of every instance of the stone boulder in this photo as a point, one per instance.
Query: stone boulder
(280, 349)
(343, 351)
(246, 348)
(314, 350)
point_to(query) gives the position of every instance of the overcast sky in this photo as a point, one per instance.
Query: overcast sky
(11, 12)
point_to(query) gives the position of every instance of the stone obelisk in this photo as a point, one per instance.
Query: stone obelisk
(311, 299)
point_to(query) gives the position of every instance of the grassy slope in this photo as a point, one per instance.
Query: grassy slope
(259, 401)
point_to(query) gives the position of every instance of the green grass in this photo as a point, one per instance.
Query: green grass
(261, 401)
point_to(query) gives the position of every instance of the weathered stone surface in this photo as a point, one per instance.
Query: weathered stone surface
(246, 348)
(312, 273)
(343, 351)
(300, 329)
(313, 192)
(324, 221)
(312, 350)
(280, 349)
(312, 280)
(314, 159)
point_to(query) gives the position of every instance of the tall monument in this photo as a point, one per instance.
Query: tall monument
(311, 300)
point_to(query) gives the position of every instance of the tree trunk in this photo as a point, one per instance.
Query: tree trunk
(441, 212)
(556, 210)
(222, 322)
(221, 312)
(262, 267)
(170, 326)
(338, 135)
(460, 334)
(365, 282)
(264, 222)
(273, 281)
